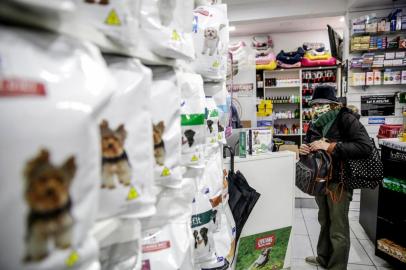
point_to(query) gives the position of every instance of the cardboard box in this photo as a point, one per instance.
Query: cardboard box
(370, 78)
(377, 78)
(389, 55)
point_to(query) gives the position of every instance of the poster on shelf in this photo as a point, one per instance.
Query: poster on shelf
(265, 251)
(378, 105)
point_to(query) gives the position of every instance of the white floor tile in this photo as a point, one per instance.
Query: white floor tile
(358, 230)
(354, 205)
(313, 227)
(357, 191)
(310, 213)
(358, 254)
(370, 249)
(299, 226)
(353, 215)
(301, 247)
(300, 264)
(360, 267)
(356, 197)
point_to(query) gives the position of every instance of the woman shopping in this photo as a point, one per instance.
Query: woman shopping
(338, 131)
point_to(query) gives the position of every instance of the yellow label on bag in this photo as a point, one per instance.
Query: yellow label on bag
(72, 259)
(113, 19)
(132, 194)
(175, 35)
(216, 64)
(219, 136)
(166, 172)
(195, 158)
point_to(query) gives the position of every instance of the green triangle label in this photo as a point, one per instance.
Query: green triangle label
(132, 194)
(175, 35)
(195, 158)
(112, 18)
(72, 259)
(216, 64)
(166, 172)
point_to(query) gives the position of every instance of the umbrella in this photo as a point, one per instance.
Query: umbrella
(242, 197)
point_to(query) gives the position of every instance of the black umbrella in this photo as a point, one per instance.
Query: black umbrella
(242, 197)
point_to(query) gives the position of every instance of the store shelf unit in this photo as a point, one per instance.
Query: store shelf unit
(391, 220)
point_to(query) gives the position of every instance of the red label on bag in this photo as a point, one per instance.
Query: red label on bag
(264, 242)
(156, 247)
(21, 87)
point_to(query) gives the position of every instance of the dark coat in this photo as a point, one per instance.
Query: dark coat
(352, 139)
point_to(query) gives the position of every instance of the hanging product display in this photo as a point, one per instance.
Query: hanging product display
(167, 29)
(210, 36)
(47, 176)
(127, 164)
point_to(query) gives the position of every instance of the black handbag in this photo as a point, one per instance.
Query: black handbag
(313, 171)
(363, 173)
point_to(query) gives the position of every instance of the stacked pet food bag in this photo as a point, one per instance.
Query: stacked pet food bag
(265, 58)
(317, 55)
(111, 150)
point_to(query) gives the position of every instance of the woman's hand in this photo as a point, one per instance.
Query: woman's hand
(304, 150)
(319, 145)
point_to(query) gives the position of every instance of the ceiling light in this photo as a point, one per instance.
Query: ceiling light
(231, 28)
(342, 19)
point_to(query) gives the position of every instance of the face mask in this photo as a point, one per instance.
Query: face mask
(321, 109)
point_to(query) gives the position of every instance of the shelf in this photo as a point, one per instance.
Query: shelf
(378, 85)
(273, 104)
(379, 50)
(288, 135)
(379, 68)
(301, 68)
(286, 119)
(280, 87)
(403, 31)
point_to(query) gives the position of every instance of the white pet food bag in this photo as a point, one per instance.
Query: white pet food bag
(210, 36)
(212, 124)
(121, 250)
(49, 188)
(203, 227)
(167, 237)
(116, 19)
(225, 243)
(126, 142)
(61, 5)
(192, 119)
(165, 108)
(166, 25)
(213, 186)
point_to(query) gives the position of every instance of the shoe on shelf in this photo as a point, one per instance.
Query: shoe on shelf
(312, 260)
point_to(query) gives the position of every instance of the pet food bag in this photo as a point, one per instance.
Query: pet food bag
(203, 227)
(213, 186)
(61, 5)
(212, 126)
(167, 237)
(166, 128)
(117, 20)
(50, 164)
(121, 250)
(166, 25)
(127, 160)
(210, 36)
(192, 119)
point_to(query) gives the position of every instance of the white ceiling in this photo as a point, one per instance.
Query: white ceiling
(285, 26)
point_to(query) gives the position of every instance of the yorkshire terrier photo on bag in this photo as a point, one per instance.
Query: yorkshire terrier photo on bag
(100, 2)
(47, 195)
(115, 162)
(159, 145)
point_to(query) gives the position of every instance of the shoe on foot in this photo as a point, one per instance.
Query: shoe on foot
(312, 260)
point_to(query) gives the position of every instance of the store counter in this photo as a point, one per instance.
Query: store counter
(268, 230)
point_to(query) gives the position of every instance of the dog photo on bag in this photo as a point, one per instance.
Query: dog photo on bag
(48, 198)
(159, 145)
(115, 162)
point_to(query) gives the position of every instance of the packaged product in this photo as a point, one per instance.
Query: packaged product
(122, 248)
(213, 186)
(50, 174)
(210, 36)
(203, 227)
(127, 159)
(212, 128)
(117, 20)
(62, 5)
(166, 236)
(166, 128)
(166, 24)
(260, 141)
(192, 119)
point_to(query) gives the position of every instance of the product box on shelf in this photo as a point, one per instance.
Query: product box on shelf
(377, 77)
(260, 141)
(370, 78)
(403, 77)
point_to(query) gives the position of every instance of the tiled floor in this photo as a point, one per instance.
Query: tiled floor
(306, 231)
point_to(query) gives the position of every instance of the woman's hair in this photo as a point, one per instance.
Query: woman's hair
(335, 106)
(353, 108)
